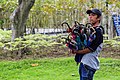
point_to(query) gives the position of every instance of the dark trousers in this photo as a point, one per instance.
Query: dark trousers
(86, 72)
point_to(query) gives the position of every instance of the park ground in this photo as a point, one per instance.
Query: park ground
(59, 66)
(107, 52)
(62, 68)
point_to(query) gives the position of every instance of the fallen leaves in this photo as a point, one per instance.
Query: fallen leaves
(33, 65)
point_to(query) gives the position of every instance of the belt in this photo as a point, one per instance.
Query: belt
(89, 68)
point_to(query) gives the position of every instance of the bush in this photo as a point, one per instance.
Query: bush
(29, 45)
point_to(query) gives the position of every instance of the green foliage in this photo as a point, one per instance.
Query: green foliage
(111, 43)
(55, 69)
(5, 36)
(115, 42)
(38, 43)
(30, 44)
(51, 13)
(1, 22)
(117, 38)
(8, 5)
(1, 44)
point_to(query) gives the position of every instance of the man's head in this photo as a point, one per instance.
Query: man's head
(95, 11)
(94, 15)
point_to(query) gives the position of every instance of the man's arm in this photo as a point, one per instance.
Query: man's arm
(84, 51)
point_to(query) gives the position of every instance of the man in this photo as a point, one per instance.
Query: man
(90, 63)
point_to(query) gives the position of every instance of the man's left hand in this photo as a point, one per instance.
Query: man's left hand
(74, 51)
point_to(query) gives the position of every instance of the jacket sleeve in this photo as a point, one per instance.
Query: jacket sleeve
(99, 39)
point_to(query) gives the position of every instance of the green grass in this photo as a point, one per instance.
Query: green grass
(55, 69)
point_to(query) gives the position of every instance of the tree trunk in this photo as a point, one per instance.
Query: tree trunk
(19, 17)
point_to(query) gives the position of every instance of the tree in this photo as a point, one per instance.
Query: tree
(19, 17)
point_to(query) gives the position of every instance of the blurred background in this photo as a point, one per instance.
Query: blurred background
(46, 16)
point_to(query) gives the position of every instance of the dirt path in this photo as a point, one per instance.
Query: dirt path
(110, 52)
(57, 51)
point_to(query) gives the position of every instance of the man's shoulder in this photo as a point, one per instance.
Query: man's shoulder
(100, 29)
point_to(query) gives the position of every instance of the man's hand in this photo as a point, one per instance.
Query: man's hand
(74, 51)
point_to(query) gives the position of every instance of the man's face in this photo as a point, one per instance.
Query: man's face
(93, 18)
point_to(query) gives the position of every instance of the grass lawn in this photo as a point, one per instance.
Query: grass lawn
(55, 69)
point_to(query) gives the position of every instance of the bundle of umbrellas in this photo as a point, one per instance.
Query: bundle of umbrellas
(80, 36)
